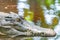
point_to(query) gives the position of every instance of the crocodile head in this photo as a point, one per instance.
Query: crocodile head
(24, 25)
(38, 31)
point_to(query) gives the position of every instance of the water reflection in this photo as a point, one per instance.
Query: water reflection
(36, 38)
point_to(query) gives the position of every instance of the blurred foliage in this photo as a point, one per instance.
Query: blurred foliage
(38, 1)
(55, 21)
(59, 1)
(38, 11)
(39, 14)
(28, 15)
(48, 3)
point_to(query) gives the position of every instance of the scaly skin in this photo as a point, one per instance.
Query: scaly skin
(12, 28)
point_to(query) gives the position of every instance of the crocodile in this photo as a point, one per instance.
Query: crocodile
(11, 27)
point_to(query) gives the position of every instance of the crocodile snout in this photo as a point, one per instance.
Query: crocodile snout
(51, 33)
(44, 33)
(48, 33)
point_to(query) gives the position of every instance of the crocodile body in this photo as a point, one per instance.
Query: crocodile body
(13, 25)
